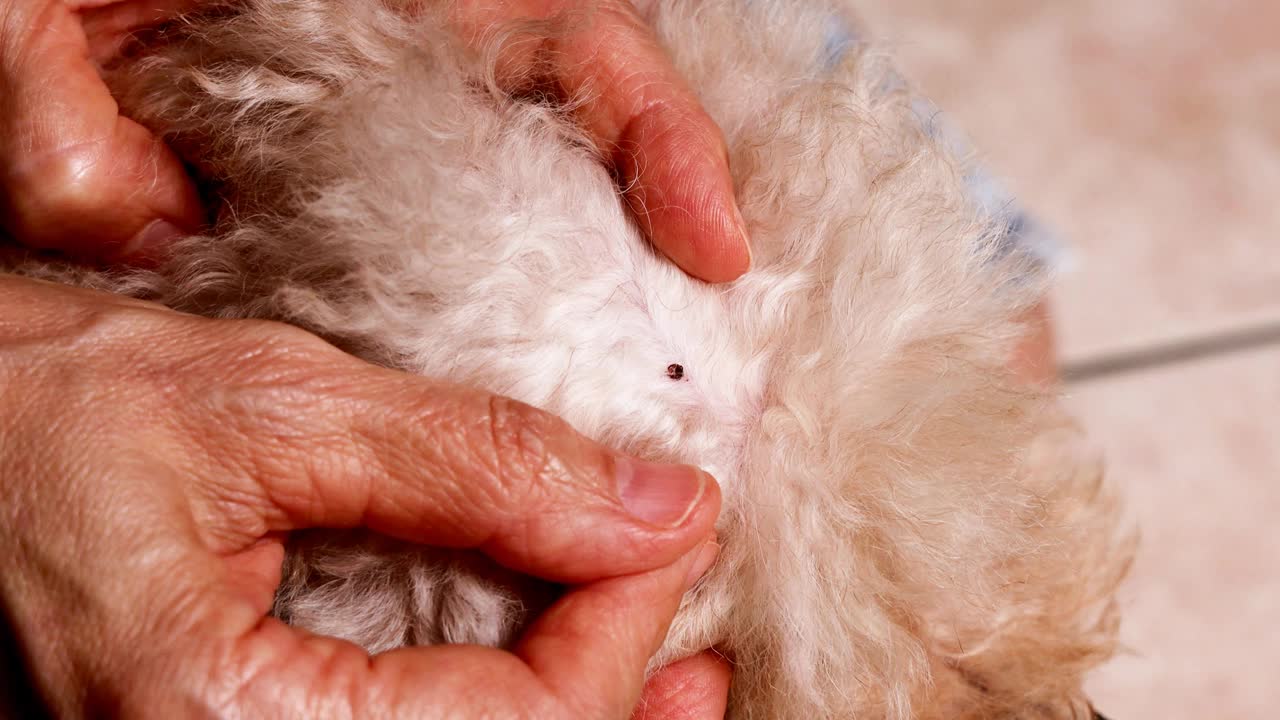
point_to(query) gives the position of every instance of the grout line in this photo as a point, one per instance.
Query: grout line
(1171, 353)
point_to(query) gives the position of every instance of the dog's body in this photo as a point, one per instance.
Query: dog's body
(906, 532)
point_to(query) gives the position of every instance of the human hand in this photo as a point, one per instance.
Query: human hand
(78, 177)
(151, 461)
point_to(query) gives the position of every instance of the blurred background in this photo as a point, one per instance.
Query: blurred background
(1146, 133)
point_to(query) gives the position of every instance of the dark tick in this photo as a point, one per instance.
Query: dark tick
(675, 371)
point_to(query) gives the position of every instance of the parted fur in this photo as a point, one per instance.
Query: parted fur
(906, 531)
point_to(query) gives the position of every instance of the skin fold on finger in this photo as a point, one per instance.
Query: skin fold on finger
(253, 574)
(668, 152)
(75, 175)
(696, 688)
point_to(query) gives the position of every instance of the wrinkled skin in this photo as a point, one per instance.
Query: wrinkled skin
(77, 177)
(151, 463)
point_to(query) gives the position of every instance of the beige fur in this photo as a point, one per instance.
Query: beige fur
(906, 532)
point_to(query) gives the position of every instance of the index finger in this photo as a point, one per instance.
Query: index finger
(669, 153)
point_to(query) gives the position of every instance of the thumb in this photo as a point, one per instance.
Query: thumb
(336, 443)
(75, 176)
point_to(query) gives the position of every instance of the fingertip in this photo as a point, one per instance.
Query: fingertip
(730, 258)
(655, 515)
(167, 206)
(696, 688)
(745, 257)
(715, 250)
(704, 558)
(679, 187)
(659, 494)
(726, 259)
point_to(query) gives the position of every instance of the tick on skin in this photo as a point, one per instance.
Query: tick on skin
(675, 371)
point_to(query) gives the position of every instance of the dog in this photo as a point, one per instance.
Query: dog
(908, 531)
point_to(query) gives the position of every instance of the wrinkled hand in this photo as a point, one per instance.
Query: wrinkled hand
(77, 176)
(150, 463)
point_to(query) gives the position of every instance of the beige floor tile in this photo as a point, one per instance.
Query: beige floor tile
(1197, 449)
(1146, 131)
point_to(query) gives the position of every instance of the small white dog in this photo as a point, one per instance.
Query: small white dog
(906, 531)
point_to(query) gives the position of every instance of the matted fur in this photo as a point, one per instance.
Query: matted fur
(906, 532)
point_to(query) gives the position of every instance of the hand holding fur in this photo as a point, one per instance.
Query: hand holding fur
(907, 532)
(151, 462)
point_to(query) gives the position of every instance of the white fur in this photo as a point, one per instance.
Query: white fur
(906, 533)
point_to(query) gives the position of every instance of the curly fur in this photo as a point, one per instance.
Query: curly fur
(906, 531)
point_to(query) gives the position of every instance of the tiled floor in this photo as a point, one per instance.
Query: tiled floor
(1148, 133)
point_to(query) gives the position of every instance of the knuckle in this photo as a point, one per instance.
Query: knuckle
(277, 353)
(282, 338)
(265, 392)
(521, 438)
(82, 342)
(273, 370)
(70, 183)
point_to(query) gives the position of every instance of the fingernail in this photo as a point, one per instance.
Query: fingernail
(702, 563)
(153, 239)
(661, 495)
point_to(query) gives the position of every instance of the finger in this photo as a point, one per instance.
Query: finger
(696, 688)
(108, 23)
(593, 646)
(74, 174)
(585, 658)
(670, 154)
(278, 671)
(449, 467)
